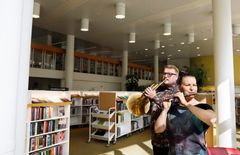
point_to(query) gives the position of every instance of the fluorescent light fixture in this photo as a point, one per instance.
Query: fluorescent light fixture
(85, 24)
(157, 44)
(120, 10)
(190, 38)
(132, 37)
(167, 29)
(36, 10)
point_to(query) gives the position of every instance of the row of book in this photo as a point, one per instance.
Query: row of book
(47, 126)
(46, 140)
(122, 117)
(39, 113)
(134, 125)
(57, 150)
(121, 106)
(84, 101)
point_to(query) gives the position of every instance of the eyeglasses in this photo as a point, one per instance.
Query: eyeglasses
(168, 74)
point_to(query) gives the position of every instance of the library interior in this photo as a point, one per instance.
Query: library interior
(71, 68)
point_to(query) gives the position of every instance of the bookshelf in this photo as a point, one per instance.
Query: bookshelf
(48, 123)
(80, 107)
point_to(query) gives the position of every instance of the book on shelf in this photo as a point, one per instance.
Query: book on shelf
(61, 111)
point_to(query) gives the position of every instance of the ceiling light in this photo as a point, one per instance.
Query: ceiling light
(157, 44)
(198, 48)
(190, 38)
(238, 50)
(198, 55)
(236, 29)
(132, 37)
(85, 24)
(36, 10)
(167, 29)
(182, 43)
(179, 50)
(205, 39)
(146, 49)
(120, 10)
(162, 52)
(163, 46)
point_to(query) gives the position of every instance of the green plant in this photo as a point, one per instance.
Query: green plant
(132, 82)
(198, 72)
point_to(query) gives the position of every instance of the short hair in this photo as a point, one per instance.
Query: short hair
(172, 67)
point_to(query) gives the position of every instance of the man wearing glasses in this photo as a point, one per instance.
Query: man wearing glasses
(160, 141)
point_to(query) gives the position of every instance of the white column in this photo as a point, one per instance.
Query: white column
(15, 41)
(49, 39)
(124, 68)
(156, 69)
(69, 63)
(224, 73)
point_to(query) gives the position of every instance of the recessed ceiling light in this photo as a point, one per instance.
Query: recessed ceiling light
(179, 50)
(169, 55)
(205, 39)
(198, 55)
(146, 49)
(168, 58)
(163, 46)
(198, 48)
(182, 43)
(238, 50)
(162, 52)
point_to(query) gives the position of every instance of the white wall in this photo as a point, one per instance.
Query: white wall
(46, 73)
(84, 81)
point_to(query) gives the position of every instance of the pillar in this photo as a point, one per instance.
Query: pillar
(15, 41)
(69, 61)
(124, 68)
(224, 73)
(156, 69)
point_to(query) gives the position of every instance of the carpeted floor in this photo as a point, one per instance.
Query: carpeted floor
(136, 143)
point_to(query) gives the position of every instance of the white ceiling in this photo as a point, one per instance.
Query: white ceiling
(145, 17)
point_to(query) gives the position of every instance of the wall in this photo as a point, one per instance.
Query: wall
(84, 81)
(81, 81)
(207, 63)
(46, 73)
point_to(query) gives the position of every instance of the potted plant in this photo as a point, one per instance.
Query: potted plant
(132, 82)
(198, 72)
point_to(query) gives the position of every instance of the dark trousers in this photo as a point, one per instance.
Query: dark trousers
(160, 150)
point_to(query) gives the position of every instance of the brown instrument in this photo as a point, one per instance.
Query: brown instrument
(138, 104)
